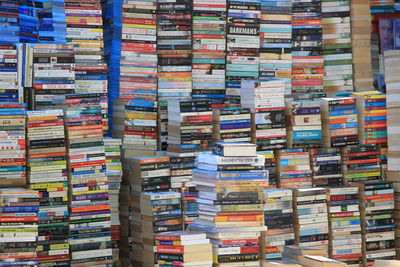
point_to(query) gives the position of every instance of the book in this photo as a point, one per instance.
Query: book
(234, 149)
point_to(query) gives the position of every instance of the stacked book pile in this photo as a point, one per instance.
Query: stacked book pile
(265, 99)
(278, 215)
(377, 223)
(360, 163)
(52, 22)
(162, 124)
(307, 54)
(232, 125)
(243, 46)
(345, 225)
(10, 78)
(10, 26)
(311, 217)
(183, 249)
(303, 124)
(19, 229)
(371, 109)
(396, 216)
(88, 195)
(295, 254)
(28, 21)
(135, 122)
(326, 166)
(53, 73)
(230, 209)
(160, 212)
(339, 121)
(383, 151)
(47, 173)
(12, 144)
(276, 42)
(112, 148)
(337, 47)
(209, 45)
(270, 166)
(293, 168)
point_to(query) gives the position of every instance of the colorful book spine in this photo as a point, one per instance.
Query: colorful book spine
(326, 166)
(293, 168)
(232, 125)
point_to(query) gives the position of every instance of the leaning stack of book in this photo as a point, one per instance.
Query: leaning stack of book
(377, 223)
(345, 225)
(160, 212)
(232, 125)
(278, 215)
(311, 217)
(183, 248)
(339, 121)
(293, 168)
(265, 99)
(47, 173)
(12, 144)
(371, 108)
(326, 166)
(19, 229)
(231, 186)
(360, 163)
(11, 76)
(88, 186)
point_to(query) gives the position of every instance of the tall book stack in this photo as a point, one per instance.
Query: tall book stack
(183, 248)
(293, 168)
(278, 215)
(19, 229)
(47, 173)
(345, 225)
(360, 163)
(396, 216)
(230, 209)
(112, 148)
(307, 50)
(243, 46)
(209, 45)
(232, 125)
(377, 224)
(303, 124)
(28, 21)
(270, 166)
(135, 122)
(360, 15)
(89, 206)
(11, 76)
(276, 42)
(160, 212)
(326, 166)
(339, 121)
(53, 73)
(311, 217)
(383, 151)
(13, 144)
(10, 26)
(371, 109)
(52, 22)
(265, 99)
(338, 76)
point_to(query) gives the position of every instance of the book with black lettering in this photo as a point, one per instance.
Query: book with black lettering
(326, 166)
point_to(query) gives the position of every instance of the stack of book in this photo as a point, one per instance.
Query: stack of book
(339, 121)
(112, 148)
(160, 212)
(243, 46)
(278, 215)
(135, 122)
(47, 173)
(377, 224)
(371, 109)
(303, 124)
(360, 162)
(293, 168)
(311, 217)
(162, 124)
(270, 166)
(307, 52)
(10, 79)
(88, 186)
(344, 225)
(53, 73)
(209, 45)
(52, 22)
(28, 21)
(232, 125)
(183, 249)
(276, 42)
(12, 144)
(10, 24)
(297, 253)
(383, 151)
(326, 166)
(231, 186)
(337, 47)
(396, 216)
(265, 99)
(19, 229)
